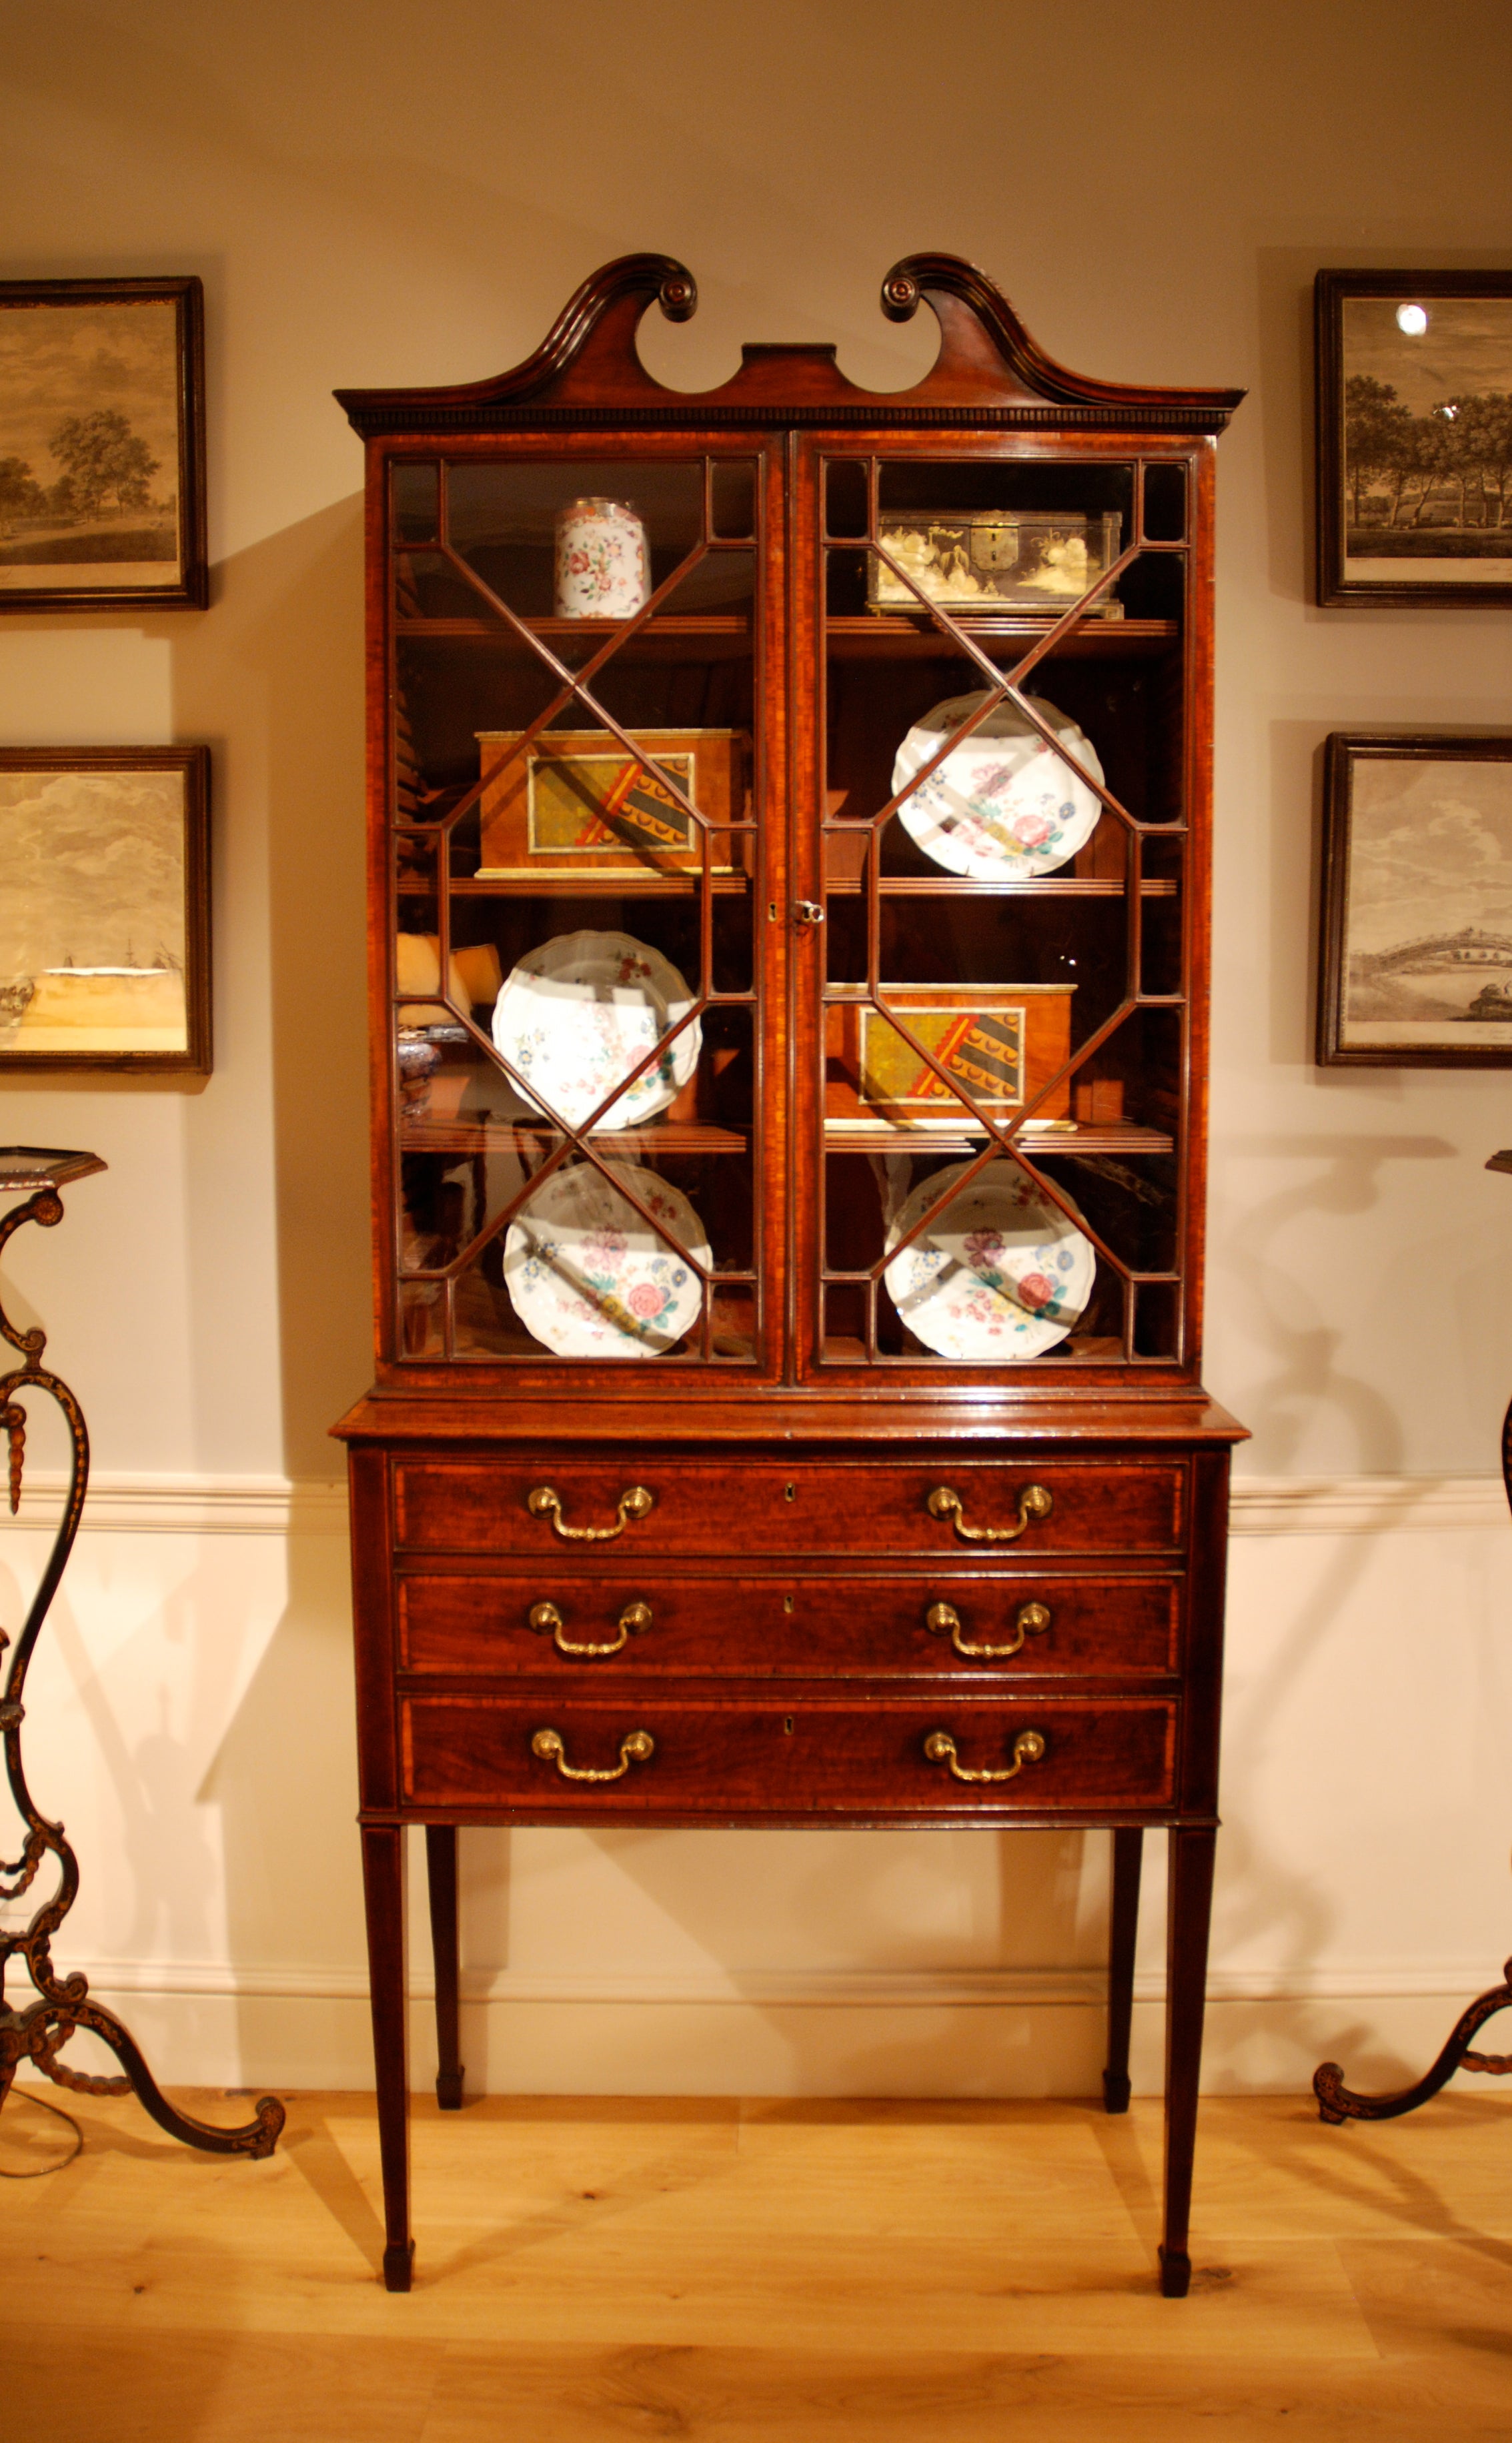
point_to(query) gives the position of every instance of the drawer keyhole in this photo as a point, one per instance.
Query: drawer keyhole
(787, 1726)
(790, 1492)
(787, 1603)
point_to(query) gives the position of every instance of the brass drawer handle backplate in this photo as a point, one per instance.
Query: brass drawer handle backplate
(636, 1747)
(546, 1617)
(1030, 1620)
(1034, 1502)
(544, 1503)
(1027, 1749)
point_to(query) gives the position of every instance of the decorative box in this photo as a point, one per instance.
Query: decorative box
(575, 802)
(992, 561)
(1000, 1040)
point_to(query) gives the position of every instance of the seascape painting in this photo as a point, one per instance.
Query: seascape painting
(1427, 457)
(1426, 962)
(100, 919)
(98, 473)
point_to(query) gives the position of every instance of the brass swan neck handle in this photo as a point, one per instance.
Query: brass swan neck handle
(543, 1501)
(1027, 1749)
(1035, 1502)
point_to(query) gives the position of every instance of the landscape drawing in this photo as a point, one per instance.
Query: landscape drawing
(93, 917)
(89, 445)
(1428, 926)
(1428, 438)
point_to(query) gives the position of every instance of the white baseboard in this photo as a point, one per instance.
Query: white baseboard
(790, 1989)
(1046, 2041)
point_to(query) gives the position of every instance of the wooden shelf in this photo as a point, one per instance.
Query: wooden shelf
(597, 886)
(475, 1137)
(1119, 1137)
(929, 886)
(908, 635)
(666, 636)
(1085, 1347)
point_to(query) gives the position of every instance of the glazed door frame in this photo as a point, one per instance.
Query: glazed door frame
(811, 450)
(770, 903)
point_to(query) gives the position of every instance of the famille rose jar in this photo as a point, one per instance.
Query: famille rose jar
(603, 560)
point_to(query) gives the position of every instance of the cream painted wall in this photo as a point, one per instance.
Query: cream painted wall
(378, 193)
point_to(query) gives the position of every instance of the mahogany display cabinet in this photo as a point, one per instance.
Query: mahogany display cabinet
(789, 987)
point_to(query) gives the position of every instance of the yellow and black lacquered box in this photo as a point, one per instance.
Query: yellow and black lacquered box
(999, 1043)
(574, 801)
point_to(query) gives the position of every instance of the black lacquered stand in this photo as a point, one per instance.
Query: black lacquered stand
(1336, 2101)
(38, 2031)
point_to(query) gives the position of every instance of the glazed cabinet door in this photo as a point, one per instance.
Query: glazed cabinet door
(578, 742)
(1001, 814)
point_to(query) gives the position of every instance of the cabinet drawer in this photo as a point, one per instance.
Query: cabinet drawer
(639, 1626)
(748, 1754)
(764, 1509)
(724, 1760)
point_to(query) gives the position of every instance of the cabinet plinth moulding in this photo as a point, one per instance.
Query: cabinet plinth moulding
(787, 1148)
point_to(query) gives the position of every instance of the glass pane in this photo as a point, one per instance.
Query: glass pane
(733, 487)
(507, 522)
(416, 497)
(1166, 504)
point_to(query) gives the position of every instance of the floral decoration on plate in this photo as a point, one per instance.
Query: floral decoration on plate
(1002, 807)
(997, 1275)
(590, 1279)
(577, 1015)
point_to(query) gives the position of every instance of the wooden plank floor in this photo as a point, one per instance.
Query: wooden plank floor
(823, 2272)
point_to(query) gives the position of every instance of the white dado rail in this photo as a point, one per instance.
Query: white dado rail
(258, 1505)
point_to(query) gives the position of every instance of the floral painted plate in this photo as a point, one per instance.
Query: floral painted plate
(590, 1279)
(999, 1275)
(1002, 807)
(578, 1014)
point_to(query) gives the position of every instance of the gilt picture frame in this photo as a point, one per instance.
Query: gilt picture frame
(1415, 964)
(1414, 438)
(104, 920)
(103, 445)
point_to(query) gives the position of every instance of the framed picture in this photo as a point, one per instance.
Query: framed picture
(1416, 943)
(1414, 437)
(101, 444)
(104, 919)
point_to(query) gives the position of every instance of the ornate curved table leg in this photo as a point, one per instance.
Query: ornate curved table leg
(1336, 2101)
(37, 2033)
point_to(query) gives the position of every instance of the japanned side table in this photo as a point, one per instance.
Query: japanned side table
(36, 2030)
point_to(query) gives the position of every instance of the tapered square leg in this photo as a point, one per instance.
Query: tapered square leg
(388, 1986)
(1123, 1925)
(441, 1874)
(1189, 1913)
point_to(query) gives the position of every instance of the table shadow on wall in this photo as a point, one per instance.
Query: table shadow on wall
(283, 645)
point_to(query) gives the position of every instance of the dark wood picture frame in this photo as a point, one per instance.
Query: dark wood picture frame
(42, 514)
(1469, 366)
(155, 1058)
(1463, 955)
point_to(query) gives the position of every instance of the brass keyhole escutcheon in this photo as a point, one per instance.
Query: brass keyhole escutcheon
(787, 1603)
(787, 1726)
(789, 1493)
